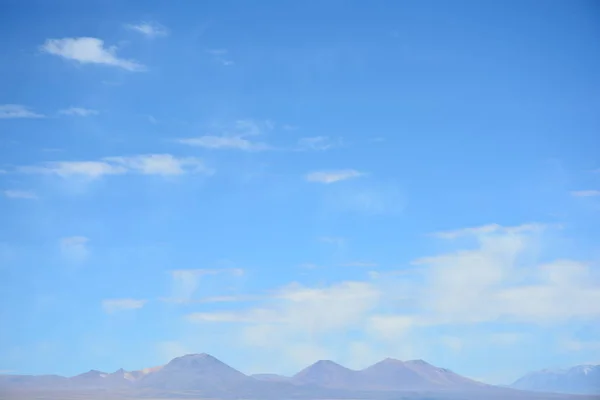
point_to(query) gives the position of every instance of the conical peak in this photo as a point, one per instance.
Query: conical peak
(195, 357)
(198, 356)
(326, 362)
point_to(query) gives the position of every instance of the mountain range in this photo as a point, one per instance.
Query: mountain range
(204, 376)
(582, 379)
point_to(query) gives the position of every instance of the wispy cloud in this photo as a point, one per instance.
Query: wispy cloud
(238, 137)
(8, 111)
(160, 164)
(333, 176)
(20, 194)
(185, 282)
(111, 306)
(89, 50)
(78, 111)
(317, 143)
(148, 164)
(489, 229)
(221, 56)
(74, 248)
(149, 29)
(586, 193)
(225, 143)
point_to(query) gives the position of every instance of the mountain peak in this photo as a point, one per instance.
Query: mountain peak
(327, 363)
(325, 373)
(194, 360)
(389, 361)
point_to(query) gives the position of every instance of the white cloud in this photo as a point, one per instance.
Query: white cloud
(20, 194)
(237, 137)
(111, 306)
(8, 111)
(489, 229)
(498, 280)
(224, 142)
(78, 111)
(333, 176)
(89, 169)
(88, 50)
(586, 193)
(160, 164)
(147, 164)
(150, 29)
(301, 309)
(74, 248)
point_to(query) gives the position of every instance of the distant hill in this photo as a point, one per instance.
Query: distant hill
(581, 379)
(204, 376)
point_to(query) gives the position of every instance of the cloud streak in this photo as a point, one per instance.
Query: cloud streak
(149, 29)
(10, 111)
(333, 176)
(147, 164)
(238, 137)
(586, 193)
(78, 112)
(20, 194)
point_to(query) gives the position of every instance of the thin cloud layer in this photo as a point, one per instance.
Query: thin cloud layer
(333, 176)
(317, 143)
(240, 136)
(74, 248)
(79, 112)
(225, 143)
(20, 194)
(185, 283)
(147, 164)
(8, 111)
(89, 50)
(586, 193)
(111, 306)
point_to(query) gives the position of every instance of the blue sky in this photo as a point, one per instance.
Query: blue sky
(275, 183)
